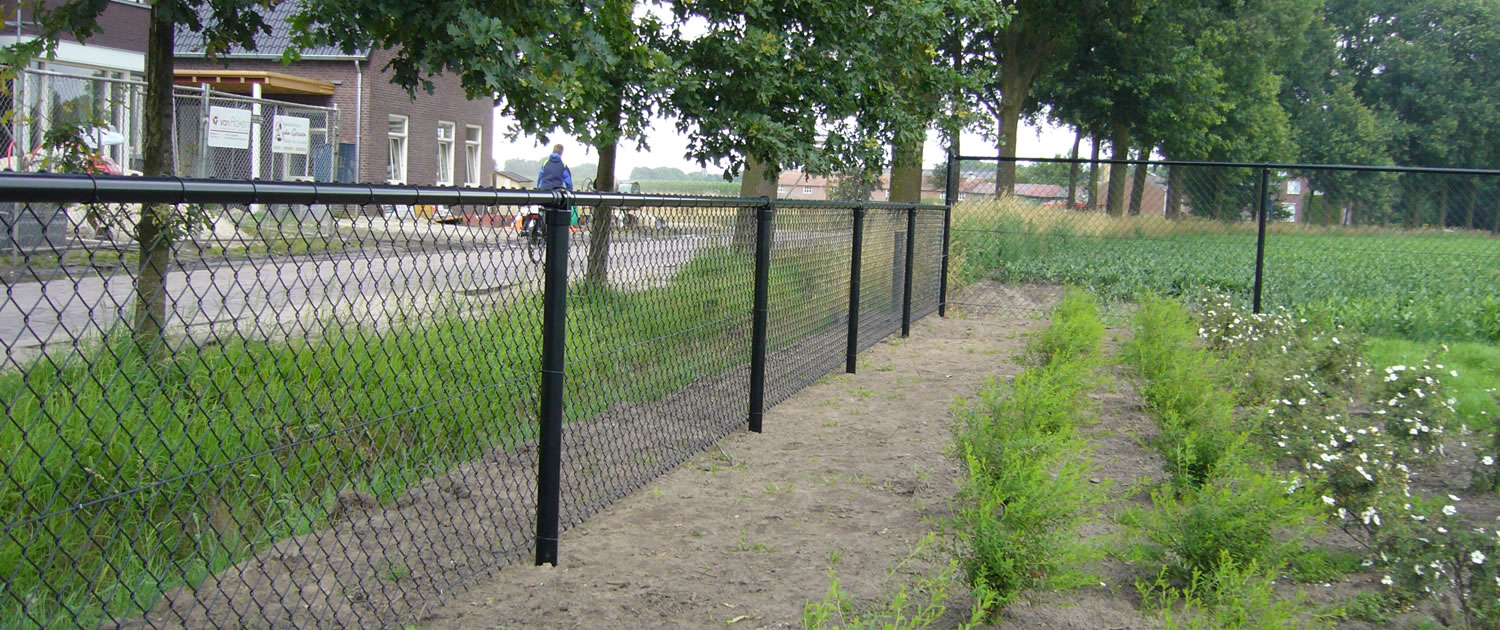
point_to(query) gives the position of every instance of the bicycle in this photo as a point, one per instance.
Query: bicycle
(535, 237)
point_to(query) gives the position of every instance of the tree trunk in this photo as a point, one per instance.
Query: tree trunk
(1174, 192)
(1013, 96)
(1094, 174)
(601, 223)
(957, 179)
(1073, 172)
(906, 169)
(759, 181)
(1138, 185)
(153, 233)
(1410, 207)
(1120, 149)
(1442, 218)
(1471, 202)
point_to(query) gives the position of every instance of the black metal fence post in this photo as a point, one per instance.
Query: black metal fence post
(554, 319)
(1263, 198)
(764, 225)
(856, 254)
(911, 246)
(948, 198)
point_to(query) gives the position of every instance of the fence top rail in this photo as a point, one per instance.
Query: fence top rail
(836, 204)
(1280, 166)
(58, 188)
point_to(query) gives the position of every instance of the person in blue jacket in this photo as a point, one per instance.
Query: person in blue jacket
(554, 174)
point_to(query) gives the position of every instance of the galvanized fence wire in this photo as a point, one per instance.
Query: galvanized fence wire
(1395, 251)
(341, 426)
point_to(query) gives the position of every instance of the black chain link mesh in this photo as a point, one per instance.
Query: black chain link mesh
(338, 425)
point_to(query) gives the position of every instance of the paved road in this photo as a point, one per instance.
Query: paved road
(291, 297)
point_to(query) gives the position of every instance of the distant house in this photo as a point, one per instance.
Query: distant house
(799, 185)
(976, 190)
(512, 179)
(1292, 195)
(1153, 197)
(1042, 192)
(384, 135)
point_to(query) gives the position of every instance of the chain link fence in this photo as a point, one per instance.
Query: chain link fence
(342, 430)
(1406, 252)
(215, 134)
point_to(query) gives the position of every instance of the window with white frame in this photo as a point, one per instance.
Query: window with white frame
(807, 190)
(445, 154)
(396, 133)
(1294, 187)
(963, 196)
(473, 147)
(781, 191)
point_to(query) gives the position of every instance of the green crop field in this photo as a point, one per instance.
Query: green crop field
(1418, 285)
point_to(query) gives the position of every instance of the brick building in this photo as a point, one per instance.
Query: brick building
(385, 135)
(380, 133)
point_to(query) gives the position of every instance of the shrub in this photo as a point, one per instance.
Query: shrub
(1233, 595)
(1244, 518)
(1017, 529)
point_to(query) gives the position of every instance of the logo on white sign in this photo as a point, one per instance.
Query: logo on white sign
(228, 128)
(289, 134)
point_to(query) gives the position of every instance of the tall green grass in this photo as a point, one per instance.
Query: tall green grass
(1415, 284)
(125, 478)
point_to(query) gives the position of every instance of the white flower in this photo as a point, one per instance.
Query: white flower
(1487, 461)
(1387, 580)
(1450, 510)
(1477, 557)
(1327, 499)
(1454, 498)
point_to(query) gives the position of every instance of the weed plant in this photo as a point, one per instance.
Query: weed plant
(1232, 595)
(1226, 525)
(1026, 489)
(1198, 432)
(920, 602)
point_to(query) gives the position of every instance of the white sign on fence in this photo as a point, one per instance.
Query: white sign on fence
(289, 135)
(228, 128)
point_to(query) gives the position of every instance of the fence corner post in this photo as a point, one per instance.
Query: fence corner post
(554, 320)
(856, 256)
(943, 270)
(1263, 201)
(911, 245)
(948, 199)
(760, 312)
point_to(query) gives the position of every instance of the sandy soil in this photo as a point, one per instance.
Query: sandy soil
(855, 466)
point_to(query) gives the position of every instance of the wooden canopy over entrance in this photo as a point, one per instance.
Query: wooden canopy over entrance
(241, 81)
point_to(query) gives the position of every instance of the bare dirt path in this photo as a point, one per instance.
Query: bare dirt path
(853, 467)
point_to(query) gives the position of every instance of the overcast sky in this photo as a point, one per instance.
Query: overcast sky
(668, 147)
